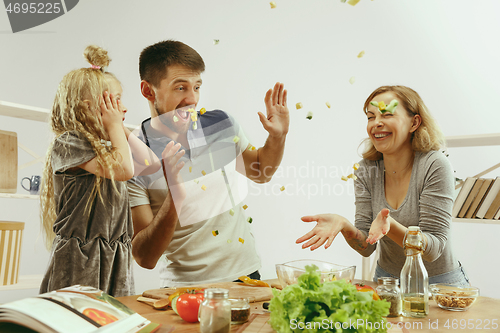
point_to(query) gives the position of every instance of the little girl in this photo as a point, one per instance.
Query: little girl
(84, 202)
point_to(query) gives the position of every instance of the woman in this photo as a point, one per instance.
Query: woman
(403, 180)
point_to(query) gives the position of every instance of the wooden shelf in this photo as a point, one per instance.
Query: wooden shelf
(476, 221)
(25, 282)
(24, 111)
(18, 196)
(31, 113)
(473, 140)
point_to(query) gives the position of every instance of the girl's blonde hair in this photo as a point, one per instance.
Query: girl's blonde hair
(427, 137)
(76, 108)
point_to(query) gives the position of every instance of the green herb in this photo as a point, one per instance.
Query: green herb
(310, 301)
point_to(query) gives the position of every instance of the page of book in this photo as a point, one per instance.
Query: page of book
(76, 309)
(52, 315)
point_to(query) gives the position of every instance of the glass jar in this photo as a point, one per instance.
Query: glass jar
(388, 289)
(215, 311)
(240, 310)
(414, 278)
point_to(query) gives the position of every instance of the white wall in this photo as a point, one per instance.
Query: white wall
(446, 50)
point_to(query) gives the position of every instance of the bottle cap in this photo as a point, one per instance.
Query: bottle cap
(388, 280)
(216, 293)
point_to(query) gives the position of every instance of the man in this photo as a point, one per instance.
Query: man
(197, 220)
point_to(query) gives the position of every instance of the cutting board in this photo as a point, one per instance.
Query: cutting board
(236, 290)
(8, 162)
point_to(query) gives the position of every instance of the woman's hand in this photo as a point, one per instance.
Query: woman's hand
(326, 229)
(380, 227)
(110, 111)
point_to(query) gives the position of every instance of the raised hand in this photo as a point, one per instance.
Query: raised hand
(171, 170)
(380, 227)
(278, 119)
(170, 163)
(110, 111)
(326, 229)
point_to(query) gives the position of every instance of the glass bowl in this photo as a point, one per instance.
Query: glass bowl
(289, 272)
(453, 297)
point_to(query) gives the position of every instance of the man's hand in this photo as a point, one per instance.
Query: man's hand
(278, 119)
(171, 170)
(170, 162)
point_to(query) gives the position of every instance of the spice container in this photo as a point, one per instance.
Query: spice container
(388, 289)
(240, 310)
(215, 311)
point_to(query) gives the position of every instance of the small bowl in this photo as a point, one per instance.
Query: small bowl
(289, 272)
(454, 297)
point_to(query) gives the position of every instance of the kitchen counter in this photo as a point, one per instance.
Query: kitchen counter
(483, 316)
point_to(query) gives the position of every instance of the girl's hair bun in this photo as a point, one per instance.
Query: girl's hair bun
(96, 56)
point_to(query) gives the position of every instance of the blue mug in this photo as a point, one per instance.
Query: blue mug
(34, 187)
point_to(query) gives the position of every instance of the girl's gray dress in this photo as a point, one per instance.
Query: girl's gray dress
(92, 245)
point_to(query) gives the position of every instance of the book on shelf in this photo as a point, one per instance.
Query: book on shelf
(497, 215)
(470, 198)
(74, 309)
(488, 200)
(462, 195)
(471, 212)
(495, 205)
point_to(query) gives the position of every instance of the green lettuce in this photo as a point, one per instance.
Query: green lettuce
(332, 306)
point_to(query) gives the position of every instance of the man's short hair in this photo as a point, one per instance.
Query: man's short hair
(156, 58)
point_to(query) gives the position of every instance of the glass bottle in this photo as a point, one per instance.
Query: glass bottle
(388, 289)
(414, 278)
(215, 311)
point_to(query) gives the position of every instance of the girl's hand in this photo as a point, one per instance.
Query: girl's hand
(380, 226)
(326, 229)
(110, 111)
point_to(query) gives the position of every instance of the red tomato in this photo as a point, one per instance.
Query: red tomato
(188, 305)
(363, 287)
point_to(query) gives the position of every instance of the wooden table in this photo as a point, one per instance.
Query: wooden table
(483, 313)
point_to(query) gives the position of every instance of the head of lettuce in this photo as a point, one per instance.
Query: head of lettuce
(332, 306)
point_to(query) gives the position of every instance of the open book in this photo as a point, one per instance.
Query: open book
(76, 309)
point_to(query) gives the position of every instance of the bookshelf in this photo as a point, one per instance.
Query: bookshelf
(18, 196)
(35, 114)
(479, 140)
(25, 282)
(31, 113)
(482, 221)
(473, 140)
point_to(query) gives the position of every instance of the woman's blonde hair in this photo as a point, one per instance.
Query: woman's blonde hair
(76, 108)
(427, 137)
